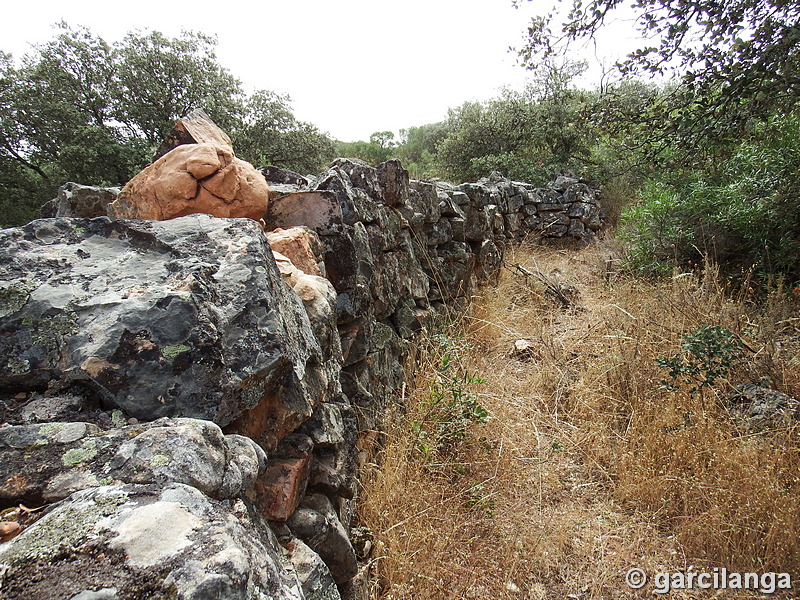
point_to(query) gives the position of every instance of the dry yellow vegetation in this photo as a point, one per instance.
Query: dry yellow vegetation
(587, 467)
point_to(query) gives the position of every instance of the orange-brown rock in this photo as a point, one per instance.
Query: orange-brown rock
(194, 178)
(282, 485)
(301, 246)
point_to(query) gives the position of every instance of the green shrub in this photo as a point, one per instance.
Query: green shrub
(447, 412)
(741, 211)
(707, 355)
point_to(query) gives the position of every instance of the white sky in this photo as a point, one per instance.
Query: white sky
(351, 67)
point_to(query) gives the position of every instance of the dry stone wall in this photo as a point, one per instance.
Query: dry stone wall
(201, 382)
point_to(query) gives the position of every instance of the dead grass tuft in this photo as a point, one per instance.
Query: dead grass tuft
(587, 467)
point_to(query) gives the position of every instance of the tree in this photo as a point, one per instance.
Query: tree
(418, 149)
(79, 109)
(735, 62)
(382, 139)
(269, 133)
(379, 148)
(523, 134)
(159, 80)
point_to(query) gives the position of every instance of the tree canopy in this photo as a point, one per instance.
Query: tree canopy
(734, 62)
(80, 109)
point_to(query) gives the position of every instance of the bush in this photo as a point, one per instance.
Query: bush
(742, 212)
(707, 355)
(449, 409)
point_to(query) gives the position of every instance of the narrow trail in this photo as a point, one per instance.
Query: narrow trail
(572, 538)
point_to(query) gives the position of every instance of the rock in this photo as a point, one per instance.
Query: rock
(317, 524)
(188, 317)
(278, 175)
(583, 211)
(55, 408)
(318, 210)
(512, 225)
(280, 489)
(312, 573)
(195, 128)
(524, 350)
(48, 462)
(146, 542)
(760, 409)
(325, 427)
(319, 301)
(555, 224)
(194, 178)
(477, 193)
(423, 199)
(76, 200)
(192, 452)
(488, 260)
(478, 226)
(576, 228)
(450, 203)
(364, 177)
(300, 245)
(360, 587)
(563, 182)
(393, 181)
(9, 530)
(332, 473)
(362, 539)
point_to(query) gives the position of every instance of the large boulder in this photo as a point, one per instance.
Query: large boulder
(188, 317)
(194, 178)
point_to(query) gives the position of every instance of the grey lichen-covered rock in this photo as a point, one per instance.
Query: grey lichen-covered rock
(760, 409)
(145, 541)
(86, 201)
(187, 317)
(48, 462)
(314, 576)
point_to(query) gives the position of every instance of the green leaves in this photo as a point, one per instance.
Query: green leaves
(267, 132)
(733, 61)
(448, 411)
(707, 355)
(525, 135)
(737, 208)
(79, 109)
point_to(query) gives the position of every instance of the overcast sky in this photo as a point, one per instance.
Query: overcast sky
(351, 67)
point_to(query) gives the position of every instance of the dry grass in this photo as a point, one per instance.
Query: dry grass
(587, 467)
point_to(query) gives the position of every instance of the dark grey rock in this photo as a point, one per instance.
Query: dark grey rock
(317, 524)
(188, 317)
(393, 181)
(85, 201)
(275, 174)
(576, 228)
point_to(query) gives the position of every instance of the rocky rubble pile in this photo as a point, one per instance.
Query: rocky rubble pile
(190, 399)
